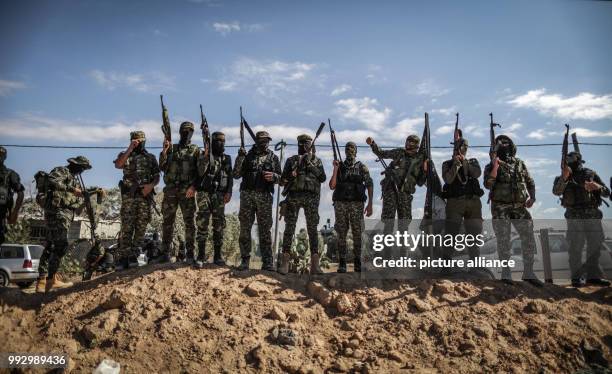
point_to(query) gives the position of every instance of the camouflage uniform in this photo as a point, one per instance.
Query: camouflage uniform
(583, 221)
(352, 181)
(303, 191)
(509, 192)
(10, 184)
(180, 173)
(214, 181)
(60, 205)
(140, 168)
(408, 172)
(256, 199)
(462, 191)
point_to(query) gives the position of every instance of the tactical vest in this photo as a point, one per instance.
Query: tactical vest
(459, 188)
(62, 199)
(254, 166)
(138, 170)
(305, 181)
(6, 197)
(510, 185)
(350, 183)
(408, 167)
(181, 166)
(218, 175)
(576, 196)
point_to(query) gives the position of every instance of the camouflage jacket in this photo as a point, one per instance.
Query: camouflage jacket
(139, 169)
(10, 183)
(251, 168)
(574, 195)
(62, 184)
(513, 184)
(310, 174)
(180, 165)
(217, 177)
(406, 170)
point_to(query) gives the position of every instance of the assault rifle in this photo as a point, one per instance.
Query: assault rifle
(493, 148)
(575, 143)
(207, 143)
(244, 124)
(588, 176)
(166, 129)
(564, 148)
(334, 143)
(457, 135)
(298, 165)
(95, 253)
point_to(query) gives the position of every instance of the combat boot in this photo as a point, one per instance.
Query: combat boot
(41, 283)
(506, 276)
(267, 264)
(244, 264)
(357, 265)
(314, 264)
(283, 268)
(55, 283)
(342, 265)
(530, 277)
(598, 282)
(218, 257)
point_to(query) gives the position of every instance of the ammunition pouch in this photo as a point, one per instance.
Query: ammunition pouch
(457, 189)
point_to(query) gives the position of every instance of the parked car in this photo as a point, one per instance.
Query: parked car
(559, 256)
(19, 264)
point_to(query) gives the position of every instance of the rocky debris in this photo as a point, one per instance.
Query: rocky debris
(283, 336)
(419, 305)
(255, 289)
(117, 299)
(320, 293)
(343, 304)
(444, 287)
(277, 314)
(536, 306)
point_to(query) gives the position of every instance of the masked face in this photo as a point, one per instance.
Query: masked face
(75, 169)
(303, 146)
(573, 161)
(218, 147)
(350, 152)
(503, 148)
(412, 145)
(262, 144)
(140, 147)
(2, 156)
(185, 136)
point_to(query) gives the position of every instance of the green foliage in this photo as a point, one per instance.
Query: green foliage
(19, 232)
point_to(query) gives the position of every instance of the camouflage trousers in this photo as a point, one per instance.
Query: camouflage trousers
(255, 204)
(310, 203)
(135, 216)
(584, 226)
(400, 203)
(173, 199)
(349, 213)
(58, 224)
(3, 217)
(467, 211)
(210, 205)
(505, 215)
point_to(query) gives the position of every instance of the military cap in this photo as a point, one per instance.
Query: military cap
(304, 138)
(262, 135)
(137, 135)
(2, 151)
(350, 144)
(414, 138)
(80, 161)
(218, 135)
(187, 125)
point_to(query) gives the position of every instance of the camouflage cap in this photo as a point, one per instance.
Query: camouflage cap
(350, 144)
(304, 138)
(187, 125)
(218, 135)
(262, 135)
(137, 135)
(413, 138)
(80, 161)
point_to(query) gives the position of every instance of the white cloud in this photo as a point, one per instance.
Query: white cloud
(581, 132)
(444, 130)
(446, 111)
(343, 88)
(406, 127)
(364, 110)
(588, 133)
(226, 28)
(149, 82)
(585, 105)
(8, 87)
(271, 79)
(430, 88)
(539, 134)
(510, 130)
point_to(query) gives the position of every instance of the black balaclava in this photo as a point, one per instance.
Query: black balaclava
(262, 144)
(218, 146)
(2, 155)
(303, 146)
(574, 161)
(185, 137)
(504, 147)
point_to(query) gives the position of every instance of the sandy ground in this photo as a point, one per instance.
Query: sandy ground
(171, 318)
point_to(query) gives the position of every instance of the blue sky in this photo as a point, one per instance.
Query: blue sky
(87, 72)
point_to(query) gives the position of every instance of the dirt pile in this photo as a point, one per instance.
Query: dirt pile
(170, 318)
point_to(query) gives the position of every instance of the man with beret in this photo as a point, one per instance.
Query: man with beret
(214, 186)
(140, 176)
(302, 177)
(260, 170)
(63, 198)
(179, 164)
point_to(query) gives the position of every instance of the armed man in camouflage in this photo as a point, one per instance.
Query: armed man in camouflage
(462, 191)
(10, 185)
(214, 186)
(179, 164)
(581, 192)
(349, 181)
(140, 176)
(302, 178)
(406, 171)
(260, 170)
(63, 198)
(512, 191)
